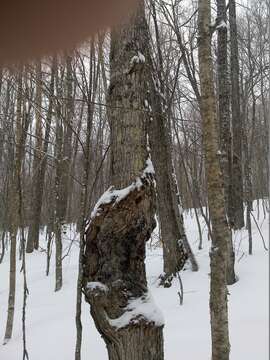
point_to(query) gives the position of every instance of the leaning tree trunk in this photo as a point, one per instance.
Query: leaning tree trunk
(235, 211)
(114, 271)
(224, 122)
(215, 190)
(175, 244)
(173, 240)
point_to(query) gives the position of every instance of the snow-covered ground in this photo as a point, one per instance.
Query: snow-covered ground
(51, 316)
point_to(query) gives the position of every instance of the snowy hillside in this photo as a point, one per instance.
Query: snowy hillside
(51, 316)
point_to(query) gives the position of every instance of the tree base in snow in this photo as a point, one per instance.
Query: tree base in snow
(114, 273)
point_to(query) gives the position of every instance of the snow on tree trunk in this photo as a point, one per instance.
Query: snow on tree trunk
(113, 268)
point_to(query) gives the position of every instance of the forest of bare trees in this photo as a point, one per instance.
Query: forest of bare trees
(166, 114)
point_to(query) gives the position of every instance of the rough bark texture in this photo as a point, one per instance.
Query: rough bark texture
(114, 256)
(115, 240)
(236, 211)
(224, 122)
(172, 230)
(184, 245)
(223, 97)
(174, 254)
(216, 201)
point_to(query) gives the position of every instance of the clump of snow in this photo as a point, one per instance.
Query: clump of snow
(214, 249)
(180, 242)
(221, 25)
(118, 195)
(138, 59)
(115, 195)
(180, 209)
(105, 198)
(149, 168)
(96, 285)
(148, 144)
(147, 105)
(144, 308)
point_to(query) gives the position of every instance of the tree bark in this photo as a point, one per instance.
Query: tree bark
(33, 233)
(224, 123)
(114, 269)
(216, 200)
(67, 138)
(14, 208)
(175, 245)
(84, 193)
(174, 254)
(235, 211)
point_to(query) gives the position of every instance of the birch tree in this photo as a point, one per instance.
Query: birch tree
(224, 123)
(216, 200)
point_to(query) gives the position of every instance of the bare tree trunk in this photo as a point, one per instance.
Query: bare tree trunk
(33, 233)
(82, 244)
(247, 171)
(23, 268)
(180, 221)
(58, 191)
(39, 173)
(223, 98)
(114, 270)
(176, 248)
(224, 123)
(14, 209)
(220, 230)
(67, 139)
(174, 254)
(235, 211)
(191, 190)
(92, 86)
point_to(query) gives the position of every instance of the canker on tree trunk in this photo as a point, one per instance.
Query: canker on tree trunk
(114, 275)
(114, 278)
